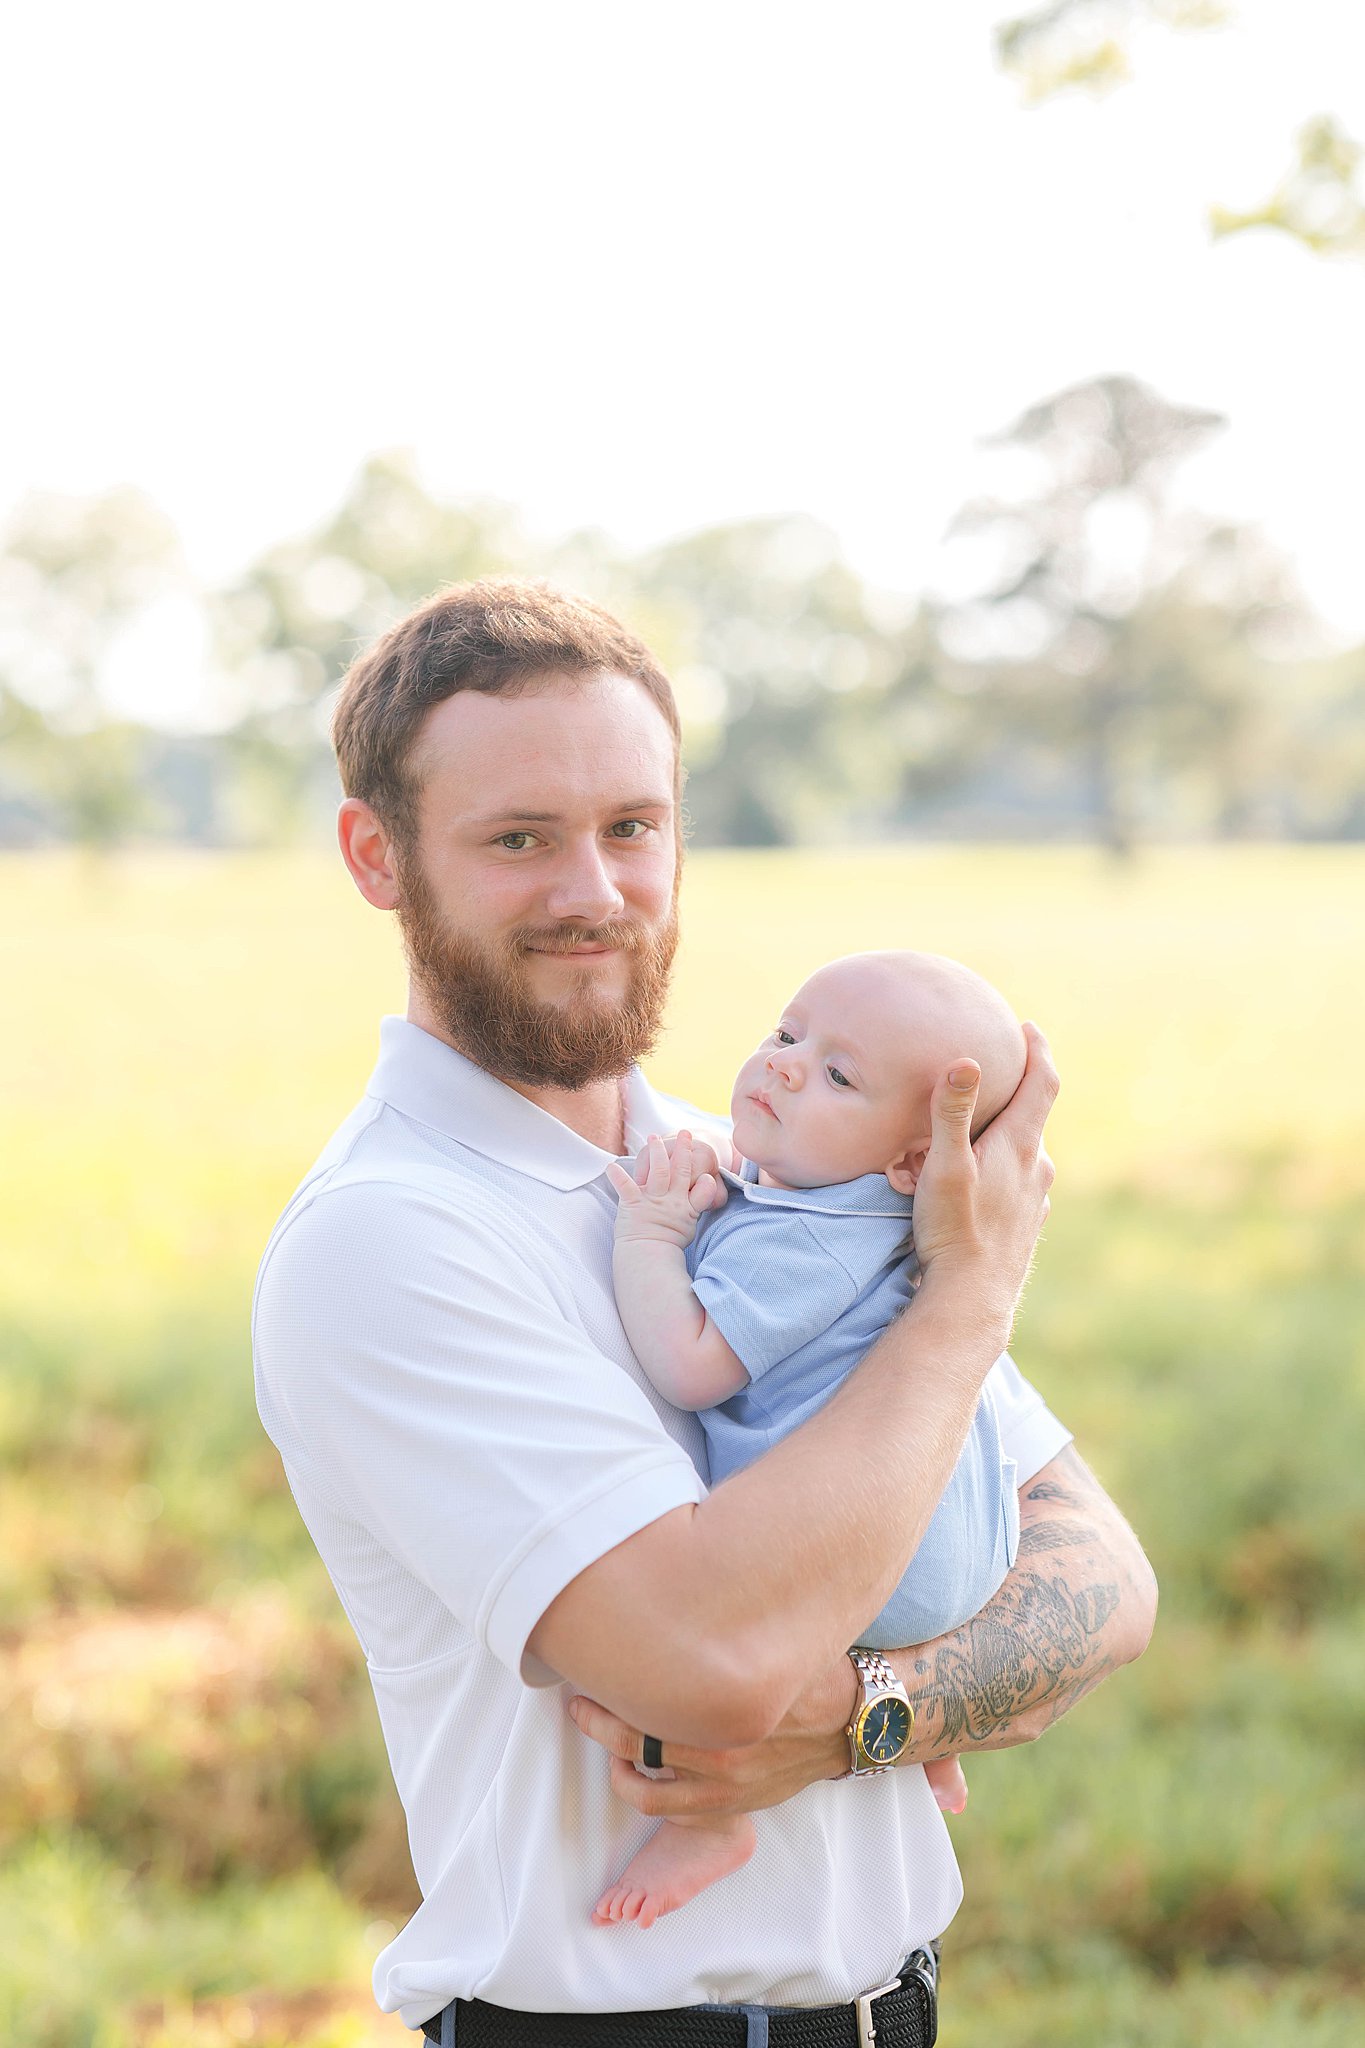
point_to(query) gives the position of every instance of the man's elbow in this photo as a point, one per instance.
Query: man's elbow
(726, 1701)
(1139, 1607)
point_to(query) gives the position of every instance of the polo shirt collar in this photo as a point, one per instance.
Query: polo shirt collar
(871, 1194)
(427, 1080)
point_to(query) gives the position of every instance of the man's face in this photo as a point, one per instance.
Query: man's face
(539, 907)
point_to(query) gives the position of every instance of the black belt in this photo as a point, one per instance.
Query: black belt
(902, 2014)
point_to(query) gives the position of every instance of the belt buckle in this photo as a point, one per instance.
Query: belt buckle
(867, 2032)
(923, 1964)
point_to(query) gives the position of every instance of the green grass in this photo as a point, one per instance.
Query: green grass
(195, 1809)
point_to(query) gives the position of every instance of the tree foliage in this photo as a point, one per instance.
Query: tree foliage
(1088, 44)
(1085, 554)
(1320, 200)
(1118, 668)
(74, 574)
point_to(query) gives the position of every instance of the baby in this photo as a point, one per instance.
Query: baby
(755, 1313)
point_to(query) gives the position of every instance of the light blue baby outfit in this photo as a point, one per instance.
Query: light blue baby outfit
(801, 1282)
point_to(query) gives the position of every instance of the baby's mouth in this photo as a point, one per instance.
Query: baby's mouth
(764, 1104)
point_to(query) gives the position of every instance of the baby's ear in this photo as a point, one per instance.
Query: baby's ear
(904, 1172)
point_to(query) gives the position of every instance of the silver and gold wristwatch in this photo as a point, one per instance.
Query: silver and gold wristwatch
(882, 1719)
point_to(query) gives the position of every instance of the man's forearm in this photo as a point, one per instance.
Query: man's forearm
(1079, 1602)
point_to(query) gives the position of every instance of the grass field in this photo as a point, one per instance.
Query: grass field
(198, 1843)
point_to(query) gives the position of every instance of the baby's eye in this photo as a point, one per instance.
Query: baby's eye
(839, 1080)
(783, 1037)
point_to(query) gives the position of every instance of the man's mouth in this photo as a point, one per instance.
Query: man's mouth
(573, 952)
(590, 946)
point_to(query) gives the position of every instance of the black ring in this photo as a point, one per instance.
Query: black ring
(654, 1755)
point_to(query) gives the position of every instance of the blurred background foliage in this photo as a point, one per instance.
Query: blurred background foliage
(1091, 46)
(1110, 665)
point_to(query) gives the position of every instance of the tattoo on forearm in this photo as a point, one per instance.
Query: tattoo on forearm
(1054, 1629)
(1047, 1489)
(1052, 1536)
(1036, 1648)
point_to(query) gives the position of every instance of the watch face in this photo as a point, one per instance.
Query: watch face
(885, 1730)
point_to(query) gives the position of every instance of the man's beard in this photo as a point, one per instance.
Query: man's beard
(483, 1003)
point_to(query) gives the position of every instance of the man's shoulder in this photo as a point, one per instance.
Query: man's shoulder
(371, 1181)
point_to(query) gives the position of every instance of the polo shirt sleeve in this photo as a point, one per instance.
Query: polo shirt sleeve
(1029, 1431)
(770, 1287)
(420, 1373)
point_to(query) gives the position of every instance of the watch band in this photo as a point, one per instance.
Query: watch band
(879, 1681)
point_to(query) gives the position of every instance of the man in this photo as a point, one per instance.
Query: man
(514, 1519)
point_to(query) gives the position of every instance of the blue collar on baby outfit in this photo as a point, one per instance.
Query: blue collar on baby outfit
(871, 1194)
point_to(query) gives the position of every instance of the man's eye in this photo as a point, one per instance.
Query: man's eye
(839, 1080)
(506, 839)
(630, 828)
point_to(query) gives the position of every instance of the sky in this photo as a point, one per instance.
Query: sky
(650, 268)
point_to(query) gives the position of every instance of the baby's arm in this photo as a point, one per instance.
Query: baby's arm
(672, 1336)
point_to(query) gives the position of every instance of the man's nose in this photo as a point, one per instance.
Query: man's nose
(582, 886)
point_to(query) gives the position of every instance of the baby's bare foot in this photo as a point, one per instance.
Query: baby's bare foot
(948, 1783)
(675, 1864)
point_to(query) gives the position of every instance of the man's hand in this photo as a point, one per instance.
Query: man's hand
(727, 1780)
(673, 1186)
(1079, 1602)
(979, 1208)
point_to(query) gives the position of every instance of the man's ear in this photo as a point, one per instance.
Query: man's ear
(368, 852)
(904, 1172)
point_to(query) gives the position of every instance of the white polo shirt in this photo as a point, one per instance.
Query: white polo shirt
(465, 1429)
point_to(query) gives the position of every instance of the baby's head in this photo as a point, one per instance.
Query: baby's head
(842, 1087)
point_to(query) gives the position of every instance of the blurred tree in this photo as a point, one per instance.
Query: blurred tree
(1123, 667)
(1088, 43)
(288, 629)
(1317, 776)
(777, 656)
(74, 575)
(1320, 200)
(1114, 627)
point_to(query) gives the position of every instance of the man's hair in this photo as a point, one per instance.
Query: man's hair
(500, 636)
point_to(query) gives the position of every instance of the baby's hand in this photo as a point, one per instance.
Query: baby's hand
(709, 1155)
(672, 1187)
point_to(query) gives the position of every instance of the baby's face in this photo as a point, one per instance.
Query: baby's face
(842, 1086)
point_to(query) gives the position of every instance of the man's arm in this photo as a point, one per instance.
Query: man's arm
(1079, 1602)
(705, 1625)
